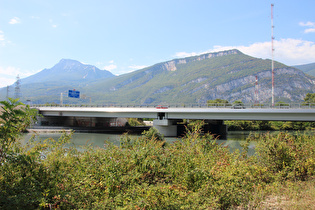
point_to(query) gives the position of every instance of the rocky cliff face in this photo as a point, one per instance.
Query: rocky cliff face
(171, 65)
(290, 84)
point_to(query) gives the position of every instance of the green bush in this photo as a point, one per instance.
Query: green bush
(145, 173)
(286, 155)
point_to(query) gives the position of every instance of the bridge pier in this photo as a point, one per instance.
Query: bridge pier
(216, 127)
(170, 128)
(166, 127)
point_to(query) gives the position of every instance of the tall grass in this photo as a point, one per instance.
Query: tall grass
(148, 173)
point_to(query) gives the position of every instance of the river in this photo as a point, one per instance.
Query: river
(233, 141)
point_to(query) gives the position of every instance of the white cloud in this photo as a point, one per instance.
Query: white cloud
(10, 71)
(15, 20)
(112, 61)
(186, 54)
(310, 25)
(51, 21)
(1, 36)
(136, 67)
(110, 67)
(309, 30)
(35, 17)
(287, 51)
(8, 75)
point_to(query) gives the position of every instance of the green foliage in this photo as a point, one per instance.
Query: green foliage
(309, 98)
(217, 102)
(135, 122)
(26, 181)
(247, 125)
(153, 134)
(15, 118)
(145, 173)
(287, 156)
(238, 102)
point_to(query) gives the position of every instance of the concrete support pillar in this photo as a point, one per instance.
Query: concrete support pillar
(216, 127)
(166, 127)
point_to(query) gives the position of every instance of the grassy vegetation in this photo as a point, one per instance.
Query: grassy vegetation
(148, 173)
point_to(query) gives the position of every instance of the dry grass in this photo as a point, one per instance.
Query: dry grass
(291, 195)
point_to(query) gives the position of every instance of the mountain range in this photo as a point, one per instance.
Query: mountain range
(307, 68)
(229, 75)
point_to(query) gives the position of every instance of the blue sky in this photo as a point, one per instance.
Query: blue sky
(125, 35)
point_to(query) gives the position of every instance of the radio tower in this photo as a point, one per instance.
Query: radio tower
(272, 64)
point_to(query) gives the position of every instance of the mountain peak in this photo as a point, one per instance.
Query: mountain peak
(68, 64)
(65, 60)
(69, 70)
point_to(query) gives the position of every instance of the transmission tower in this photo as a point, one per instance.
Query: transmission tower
(272, 63)
(17, 90)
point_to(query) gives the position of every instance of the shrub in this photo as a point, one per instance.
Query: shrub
(287, 156)
(145, 173)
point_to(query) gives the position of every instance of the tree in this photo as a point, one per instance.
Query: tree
(238, 102)
(15, 118)
(309, 98)
(217, 102)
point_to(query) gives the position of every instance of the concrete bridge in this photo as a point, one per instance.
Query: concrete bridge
(167, 117)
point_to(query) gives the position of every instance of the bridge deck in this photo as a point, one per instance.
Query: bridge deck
(284, 113)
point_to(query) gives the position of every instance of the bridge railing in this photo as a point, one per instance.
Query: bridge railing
(193, 105)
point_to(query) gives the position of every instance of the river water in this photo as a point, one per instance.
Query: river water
(233, 141)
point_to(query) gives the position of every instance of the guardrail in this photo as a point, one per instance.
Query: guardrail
(229, 106)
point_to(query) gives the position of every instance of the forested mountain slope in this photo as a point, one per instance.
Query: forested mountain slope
(229, 75)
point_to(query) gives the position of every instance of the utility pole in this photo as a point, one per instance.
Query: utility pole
(272, 62)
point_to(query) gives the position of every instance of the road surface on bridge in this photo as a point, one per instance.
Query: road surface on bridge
(207, 113)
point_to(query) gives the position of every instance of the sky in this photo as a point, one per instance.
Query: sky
(122, 36)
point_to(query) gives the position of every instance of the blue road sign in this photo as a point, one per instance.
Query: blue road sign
(74, 94)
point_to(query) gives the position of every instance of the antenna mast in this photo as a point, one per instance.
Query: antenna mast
(272, 63)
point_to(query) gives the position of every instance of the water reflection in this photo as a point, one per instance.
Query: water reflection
(233, 141)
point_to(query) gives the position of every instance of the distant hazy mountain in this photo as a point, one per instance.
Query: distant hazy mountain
(47, 85)
(307, 68)
(227, 75)
(68, 71)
